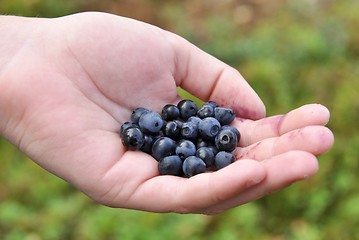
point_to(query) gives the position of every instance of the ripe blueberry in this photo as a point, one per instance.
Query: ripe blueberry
(126, 125)
(209, 128)
(226, 140)
(199, 142)
(179, 123)
(150, 122)
(136, 114)
(148, 142)
(224, 115)
(170, 112)
(223, 159)
(214, 149)
(163, 147)
(195, 120)
(235, 130)
(172, 130)
(187, 108)
(193, 165)
(207, 155)
(132, 138)
(189, 130)
(185, 148)
(170, 165)
(205, 111)
(211, 103)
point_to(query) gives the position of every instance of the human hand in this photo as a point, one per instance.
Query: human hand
(70, 82)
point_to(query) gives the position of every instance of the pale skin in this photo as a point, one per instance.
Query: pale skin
(68, 83)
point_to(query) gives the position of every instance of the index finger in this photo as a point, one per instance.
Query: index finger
(208, 78)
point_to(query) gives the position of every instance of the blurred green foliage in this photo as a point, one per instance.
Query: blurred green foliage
(291, 52)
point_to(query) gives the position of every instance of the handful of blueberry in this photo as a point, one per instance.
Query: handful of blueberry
(184, 139)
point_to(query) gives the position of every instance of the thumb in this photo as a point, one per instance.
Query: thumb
(208, 78)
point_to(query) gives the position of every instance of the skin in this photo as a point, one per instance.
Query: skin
(68, 83)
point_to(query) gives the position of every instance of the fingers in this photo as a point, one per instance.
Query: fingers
(213, 188)
(281, 171)
(210, 79)
(255, 131)
(313, 139)
(182, 195)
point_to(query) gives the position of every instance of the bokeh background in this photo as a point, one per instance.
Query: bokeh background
(291, 52)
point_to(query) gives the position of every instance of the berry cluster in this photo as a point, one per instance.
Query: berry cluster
(184, 139)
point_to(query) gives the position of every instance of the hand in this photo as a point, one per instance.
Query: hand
(70, 82)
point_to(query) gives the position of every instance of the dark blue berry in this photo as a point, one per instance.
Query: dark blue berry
(163, 147)
(150, 122)
(199, 142)
(209, 128)
(189, 130)
(137, 113)
(148, 142)
(179, 123)
(195, 120)
(206, 111)
(207, 155)
(170, 112)
(172, 130)
(235, 130)
(170, 165)
(224, 115)
(204, 140)
(185, 148)
(187, 108)
(211, 103)
(193, 165)
(223, 159)
(132, 138)
(214, 149)
(226, 140)
(127, 125)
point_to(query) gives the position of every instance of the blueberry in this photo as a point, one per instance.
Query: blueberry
(148, 142)
(195, 120)
(189, 130)
(132, 138)
(209, 128)
(223, 159)
(199, 142)
(179, 123)
(224, 115)
(226, 140)
(206, 110)
(214, 149)
(170, 112)
(127, 125)
(170, 165)
(163, 147)
(211, 103)
(235, 130)
(137, 113)
(193, 165)
(150, 122)
(187, 108)
(183, 139)
(185, 148)
(172, 130)
(207, 155)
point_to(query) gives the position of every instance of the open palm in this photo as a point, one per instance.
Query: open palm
(75, 79)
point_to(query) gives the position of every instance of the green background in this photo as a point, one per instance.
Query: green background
(291, 52)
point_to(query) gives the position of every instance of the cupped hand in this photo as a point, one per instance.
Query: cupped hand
(71, 82)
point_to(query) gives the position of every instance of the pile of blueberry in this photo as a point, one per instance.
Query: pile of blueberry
(184, 139)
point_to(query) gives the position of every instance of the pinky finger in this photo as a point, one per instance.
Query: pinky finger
(281, 171)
